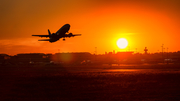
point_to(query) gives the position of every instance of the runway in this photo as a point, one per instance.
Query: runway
(105, 83)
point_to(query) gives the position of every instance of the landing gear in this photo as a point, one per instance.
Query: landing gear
(64, 39)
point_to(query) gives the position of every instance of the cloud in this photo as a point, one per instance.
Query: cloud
(24, 45)
(31, 45)
(21, 41)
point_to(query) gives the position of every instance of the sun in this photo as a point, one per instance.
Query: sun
(122, 43)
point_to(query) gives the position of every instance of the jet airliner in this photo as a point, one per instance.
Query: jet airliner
(61, 33)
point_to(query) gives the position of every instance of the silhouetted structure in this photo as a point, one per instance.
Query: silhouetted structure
(71, 58)
(4, 58)
(30, 58)
(145, 50)
(85, 58)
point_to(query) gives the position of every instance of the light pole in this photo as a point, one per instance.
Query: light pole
(162, 52)
(95, 50)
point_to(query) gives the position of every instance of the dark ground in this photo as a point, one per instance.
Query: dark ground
(34, 83)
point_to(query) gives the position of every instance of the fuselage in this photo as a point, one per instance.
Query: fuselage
(60, 33)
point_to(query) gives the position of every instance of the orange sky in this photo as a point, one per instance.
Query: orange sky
(144, 23)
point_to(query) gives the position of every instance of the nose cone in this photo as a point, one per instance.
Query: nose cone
(67, 25)
(64, 29)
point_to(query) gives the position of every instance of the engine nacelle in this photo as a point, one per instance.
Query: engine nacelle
(53, 34)
(64, 39)
(70, 35)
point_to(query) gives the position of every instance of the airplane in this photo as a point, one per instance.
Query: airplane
(61, 33)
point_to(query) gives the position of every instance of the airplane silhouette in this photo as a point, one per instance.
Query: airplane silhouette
(61, 33)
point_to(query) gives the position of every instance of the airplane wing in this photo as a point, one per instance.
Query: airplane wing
(76, 35)
(42, 35)
(71, 35)
(44, 40)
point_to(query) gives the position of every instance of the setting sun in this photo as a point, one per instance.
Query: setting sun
(122, 43)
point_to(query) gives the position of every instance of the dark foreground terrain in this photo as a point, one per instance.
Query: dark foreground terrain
(35, 83)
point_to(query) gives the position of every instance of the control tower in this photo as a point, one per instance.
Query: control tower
(145, 50)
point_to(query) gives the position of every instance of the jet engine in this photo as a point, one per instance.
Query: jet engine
(70, 35)
(53, 34)
(64, 39)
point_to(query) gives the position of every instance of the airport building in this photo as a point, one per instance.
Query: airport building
(85, 58)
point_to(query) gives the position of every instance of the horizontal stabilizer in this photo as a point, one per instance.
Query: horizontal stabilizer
(44, 40)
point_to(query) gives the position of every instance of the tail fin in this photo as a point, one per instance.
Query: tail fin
(49, 32)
